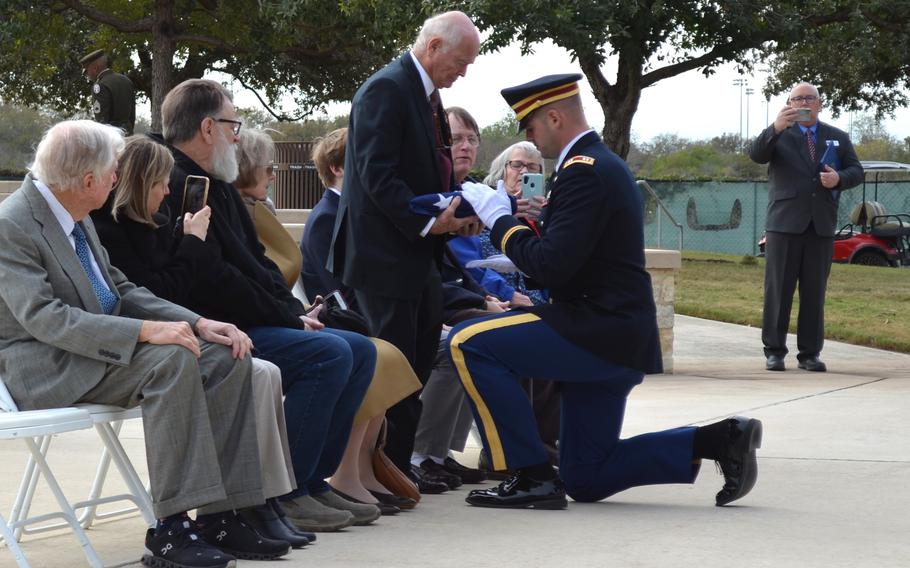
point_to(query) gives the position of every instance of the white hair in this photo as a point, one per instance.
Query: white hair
(73, 148)
(498, 167)
(444, 27)
(805, 84)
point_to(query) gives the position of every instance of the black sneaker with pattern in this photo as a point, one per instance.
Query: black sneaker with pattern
(178, 545)
(230, 533)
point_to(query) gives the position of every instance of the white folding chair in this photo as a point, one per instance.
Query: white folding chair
(107, 421)
(33, 427)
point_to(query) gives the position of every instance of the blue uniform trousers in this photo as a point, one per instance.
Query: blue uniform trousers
(493, 353)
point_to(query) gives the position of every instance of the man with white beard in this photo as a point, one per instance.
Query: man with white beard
(325, 372)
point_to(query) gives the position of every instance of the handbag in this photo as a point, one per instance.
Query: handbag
(388, 474)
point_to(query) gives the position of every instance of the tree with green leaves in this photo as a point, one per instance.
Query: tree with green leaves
(315, 52)
(857, 52)
(651, 40)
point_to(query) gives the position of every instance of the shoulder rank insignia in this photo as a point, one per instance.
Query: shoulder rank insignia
(586, 160)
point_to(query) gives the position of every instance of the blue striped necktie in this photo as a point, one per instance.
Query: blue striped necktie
(106, 298)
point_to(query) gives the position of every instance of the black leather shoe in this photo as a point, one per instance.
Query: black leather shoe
(466, 474)
(231, 534)
(267, 523)
(775, 363)
(485, 464)
(435, 472)
(813, 364)
(521, 492)
(424, 485)
(740, 468)
(402, 503)
(279, 510)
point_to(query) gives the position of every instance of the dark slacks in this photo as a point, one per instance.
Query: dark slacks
(792, 259)
(413, 326)
(491, 354)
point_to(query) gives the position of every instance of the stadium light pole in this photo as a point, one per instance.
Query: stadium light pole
(749, 92)
(740, 83)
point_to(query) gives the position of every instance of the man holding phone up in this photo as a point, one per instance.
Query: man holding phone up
(597, 337)
(803, 195)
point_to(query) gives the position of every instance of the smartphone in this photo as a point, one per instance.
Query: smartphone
(803, 115)
(531, 185)
(335, 299)
(195, 193)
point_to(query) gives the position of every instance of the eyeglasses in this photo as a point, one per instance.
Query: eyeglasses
(236, 124)
(804, 99)
(472, 141)
(269, 169)
(518, 165)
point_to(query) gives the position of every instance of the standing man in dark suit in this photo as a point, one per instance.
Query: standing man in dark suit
(113, 95)
(399, 147)
(803, 195)
(597, 336)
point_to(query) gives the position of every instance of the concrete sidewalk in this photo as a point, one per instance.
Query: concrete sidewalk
(832, 488)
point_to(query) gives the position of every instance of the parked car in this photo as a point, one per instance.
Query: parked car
(872, 237)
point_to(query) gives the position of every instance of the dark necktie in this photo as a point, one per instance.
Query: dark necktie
(811, 143)
(443, 141)
(106, 298)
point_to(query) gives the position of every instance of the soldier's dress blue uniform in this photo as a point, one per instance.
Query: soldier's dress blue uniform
(598, 335)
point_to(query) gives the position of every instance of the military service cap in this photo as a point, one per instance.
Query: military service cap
(526, 98)
(89, 57)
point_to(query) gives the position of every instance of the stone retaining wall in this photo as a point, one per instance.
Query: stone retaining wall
(663, 265)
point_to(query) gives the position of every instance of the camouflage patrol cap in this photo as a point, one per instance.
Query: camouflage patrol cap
(90, 57)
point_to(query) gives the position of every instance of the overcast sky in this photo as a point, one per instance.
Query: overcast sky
(690, 105)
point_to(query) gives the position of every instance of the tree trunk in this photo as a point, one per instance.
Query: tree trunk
(619, 102)
(163, 49)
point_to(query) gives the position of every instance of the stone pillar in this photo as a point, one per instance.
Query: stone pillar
(663, 265)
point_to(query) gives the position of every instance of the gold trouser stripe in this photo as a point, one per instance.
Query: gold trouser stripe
(508, 235)
(489, 426)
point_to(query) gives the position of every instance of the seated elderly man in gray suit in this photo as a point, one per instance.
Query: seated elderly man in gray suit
(73, 330)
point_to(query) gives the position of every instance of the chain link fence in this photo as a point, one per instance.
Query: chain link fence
(729, 217)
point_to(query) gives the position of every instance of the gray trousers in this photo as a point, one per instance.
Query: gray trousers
(199, 425)
(790, 259)
(446, 419)
(271, 430)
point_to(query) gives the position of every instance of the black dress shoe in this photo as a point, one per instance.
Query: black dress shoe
(813, 364)
(485, 464)
(279, 510)
(267, 523)
(466, 474)
(434, 472)
(775, 363)
(424, 485)
(740, 468)
(402, 503)
(521, 492)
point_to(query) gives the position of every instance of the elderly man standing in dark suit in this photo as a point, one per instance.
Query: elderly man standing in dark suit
(73, 330)
(399, 147)
(809, 164)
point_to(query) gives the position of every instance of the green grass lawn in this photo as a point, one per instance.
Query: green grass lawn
(865, 305)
